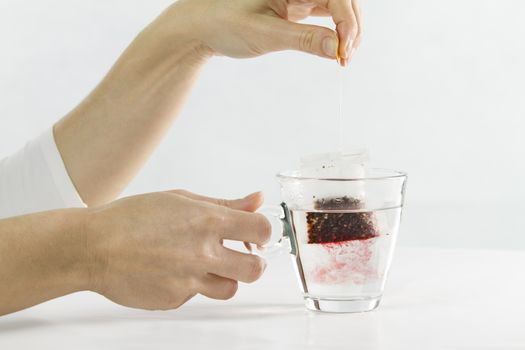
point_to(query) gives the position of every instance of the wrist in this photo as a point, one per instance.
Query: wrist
(170, 43)
(157, 68)
(183, 28)
(93, 261)
(60, 255)
(82, 266)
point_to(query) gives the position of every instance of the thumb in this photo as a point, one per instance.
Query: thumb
(249, 203)
(311, 39)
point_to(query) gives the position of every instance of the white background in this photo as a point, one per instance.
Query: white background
(436, 89)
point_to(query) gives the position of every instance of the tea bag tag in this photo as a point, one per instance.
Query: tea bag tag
(338, 165)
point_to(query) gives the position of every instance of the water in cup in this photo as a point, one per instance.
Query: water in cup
(344, 253)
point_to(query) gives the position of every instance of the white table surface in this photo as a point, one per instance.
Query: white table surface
(435, 299)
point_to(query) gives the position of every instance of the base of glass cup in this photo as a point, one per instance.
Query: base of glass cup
(341, 305)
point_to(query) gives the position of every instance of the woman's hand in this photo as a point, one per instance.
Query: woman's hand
(249, 28)
(157, 251)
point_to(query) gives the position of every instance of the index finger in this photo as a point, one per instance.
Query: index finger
(244, 226)
(346, 23)
(249, 203)
(357, 12)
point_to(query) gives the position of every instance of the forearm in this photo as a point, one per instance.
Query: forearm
(42, 256)
(109, 136)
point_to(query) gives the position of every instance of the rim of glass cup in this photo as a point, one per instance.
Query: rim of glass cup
(296, 175)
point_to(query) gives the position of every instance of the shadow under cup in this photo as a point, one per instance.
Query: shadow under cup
(342, 233)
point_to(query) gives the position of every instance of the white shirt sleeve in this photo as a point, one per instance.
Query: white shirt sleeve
(35, 179)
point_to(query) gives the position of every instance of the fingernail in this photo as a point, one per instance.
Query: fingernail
(351, 53)
(330, 47)
(253, 195)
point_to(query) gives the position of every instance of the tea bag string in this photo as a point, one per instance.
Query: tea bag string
(341, 94)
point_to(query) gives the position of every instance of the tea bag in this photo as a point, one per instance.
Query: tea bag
(338, 165)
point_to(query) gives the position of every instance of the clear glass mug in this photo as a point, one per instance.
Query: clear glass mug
(341, 234)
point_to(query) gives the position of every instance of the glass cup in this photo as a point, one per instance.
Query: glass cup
(341, 234)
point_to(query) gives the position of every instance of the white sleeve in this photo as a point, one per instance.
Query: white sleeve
(35, 179)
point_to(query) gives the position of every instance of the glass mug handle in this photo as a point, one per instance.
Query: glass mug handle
(282, 239)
